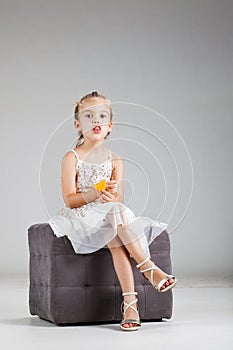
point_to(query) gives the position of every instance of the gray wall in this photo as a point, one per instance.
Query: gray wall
(173, 57)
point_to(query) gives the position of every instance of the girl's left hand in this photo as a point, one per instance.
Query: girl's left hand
(111, 186)
(106, 196)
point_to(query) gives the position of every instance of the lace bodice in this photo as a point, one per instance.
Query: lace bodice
(88, 174)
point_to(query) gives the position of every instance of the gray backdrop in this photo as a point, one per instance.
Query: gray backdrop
(173, 57)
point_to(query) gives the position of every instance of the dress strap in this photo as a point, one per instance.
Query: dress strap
(109, 154)
(76, 154)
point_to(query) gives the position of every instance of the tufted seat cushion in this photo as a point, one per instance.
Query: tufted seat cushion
(66, 287)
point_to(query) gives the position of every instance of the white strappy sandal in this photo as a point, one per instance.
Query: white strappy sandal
(161, 283)
(129, 320)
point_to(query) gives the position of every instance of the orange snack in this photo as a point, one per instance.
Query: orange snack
(101, 185)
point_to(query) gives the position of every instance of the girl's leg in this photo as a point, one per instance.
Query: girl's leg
(136, 251)
(124, 271)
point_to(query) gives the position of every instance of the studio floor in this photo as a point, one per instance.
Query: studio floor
(202, 319)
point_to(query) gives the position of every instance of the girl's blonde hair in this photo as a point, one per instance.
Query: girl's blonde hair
(92, 95)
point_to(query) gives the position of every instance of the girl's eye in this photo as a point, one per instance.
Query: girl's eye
(103, 115)
(87, 115)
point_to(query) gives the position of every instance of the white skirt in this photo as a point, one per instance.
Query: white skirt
(98, 227)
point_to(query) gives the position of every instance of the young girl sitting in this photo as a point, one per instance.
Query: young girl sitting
(94, 215)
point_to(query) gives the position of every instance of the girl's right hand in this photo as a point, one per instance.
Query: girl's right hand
(111, 186)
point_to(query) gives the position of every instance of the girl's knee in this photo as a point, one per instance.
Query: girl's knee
(120, 229)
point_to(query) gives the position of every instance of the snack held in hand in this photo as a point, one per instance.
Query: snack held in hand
(101, 185)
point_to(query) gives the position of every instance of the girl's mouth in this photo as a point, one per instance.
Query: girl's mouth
(97, 129)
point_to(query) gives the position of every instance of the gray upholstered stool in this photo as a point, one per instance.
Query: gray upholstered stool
(66, 287)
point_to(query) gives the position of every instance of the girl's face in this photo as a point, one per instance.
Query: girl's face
(94, 119)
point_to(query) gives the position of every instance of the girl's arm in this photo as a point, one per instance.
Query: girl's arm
(68, 184)
(118, 175)
(110, 195)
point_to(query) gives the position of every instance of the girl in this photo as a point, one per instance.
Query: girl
(94, 218)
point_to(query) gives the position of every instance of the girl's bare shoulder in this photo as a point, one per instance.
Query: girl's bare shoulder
(69, 157)
(115, 156)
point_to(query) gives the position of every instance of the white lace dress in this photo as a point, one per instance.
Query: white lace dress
(93, 225)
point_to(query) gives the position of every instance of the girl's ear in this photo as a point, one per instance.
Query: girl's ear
(76, 125)
(110, 126)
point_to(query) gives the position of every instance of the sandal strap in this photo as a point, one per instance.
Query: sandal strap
(129, 293)
(130, 320)
(165, 279)
(151, 269)
(143, 262)
(127, 305)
